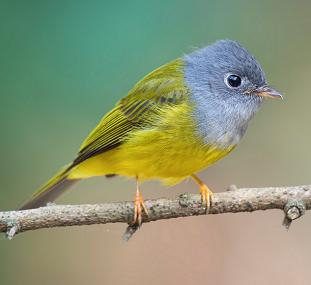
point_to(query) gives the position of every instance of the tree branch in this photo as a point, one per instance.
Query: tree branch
(293, 200)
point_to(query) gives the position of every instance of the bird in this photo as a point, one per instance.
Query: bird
(178, 120)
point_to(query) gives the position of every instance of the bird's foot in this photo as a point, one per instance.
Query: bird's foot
(206, 197)
(139, 207)
(206, 193)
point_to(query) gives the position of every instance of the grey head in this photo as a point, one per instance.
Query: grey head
(227, 87)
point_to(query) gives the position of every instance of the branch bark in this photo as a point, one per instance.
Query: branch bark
(292, 200)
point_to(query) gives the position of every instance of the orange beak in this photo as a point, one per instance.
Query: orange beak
(268, 92)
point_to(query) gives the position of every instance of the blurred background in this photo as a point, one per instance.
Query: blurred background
(63, 64)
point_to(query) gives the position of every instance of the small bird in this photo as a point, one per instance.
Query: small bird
(176, 121)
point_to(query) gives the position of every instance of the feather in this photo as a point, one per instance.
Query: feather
(51, 190)
(138, 110)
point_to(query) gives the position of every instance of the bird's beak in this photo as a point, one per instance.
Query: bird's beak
(268, 92)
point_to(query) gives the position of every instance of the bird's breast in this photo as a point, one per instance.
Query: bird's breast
(221, 124)
(170, 151)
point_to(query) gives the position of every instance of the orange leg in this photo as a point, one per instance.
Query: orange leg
(206, 193)
(139, 206)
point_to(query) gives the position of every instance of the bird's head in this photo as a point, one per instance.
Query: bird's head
(227, 86)
(225, 71)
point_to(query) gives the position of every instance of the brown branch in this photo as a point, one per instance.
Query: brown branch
(293, 200)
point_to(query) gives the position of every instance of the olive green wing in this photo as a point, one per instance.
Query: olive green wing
(163, 87)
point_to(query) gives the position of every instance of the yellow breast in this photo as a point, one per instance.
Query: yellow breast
(169, 151)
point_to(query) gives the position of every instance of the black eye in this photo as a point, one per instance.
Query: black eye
(234, 80)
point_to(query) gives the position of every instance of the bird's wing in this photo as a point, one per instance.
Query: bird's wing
(162, 87)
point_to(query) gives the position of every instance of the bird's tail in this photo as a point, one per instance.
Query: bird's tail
(51, 190)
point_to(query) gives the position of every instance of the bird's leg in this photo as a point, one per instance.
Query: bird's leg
(139, 205)
(206, 193)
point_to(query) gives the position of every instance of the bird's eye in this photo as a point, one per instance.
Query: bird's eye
(233, 80)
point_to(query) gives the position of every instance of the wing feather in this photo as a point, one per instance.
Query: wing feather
(164, 86)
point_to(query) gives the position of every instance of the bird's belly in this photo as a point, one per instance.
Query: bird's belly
(153, 154)
(171, 150)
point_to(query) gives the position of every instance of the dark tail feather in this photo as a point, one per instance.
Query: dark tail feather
(50, 191)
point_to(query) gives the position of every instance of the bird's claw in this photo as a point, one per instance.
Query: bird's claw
(206, 197)
(139, 207)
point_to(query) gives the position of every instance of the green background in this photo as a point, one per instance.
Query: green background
(63, 64)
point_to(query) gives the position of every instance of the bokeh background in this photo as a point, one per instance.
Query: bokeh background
(63, 64)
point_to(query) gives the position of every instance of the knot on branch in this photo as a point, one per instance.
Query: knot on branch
(13, 228)
(293, 210)
(184, 200)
